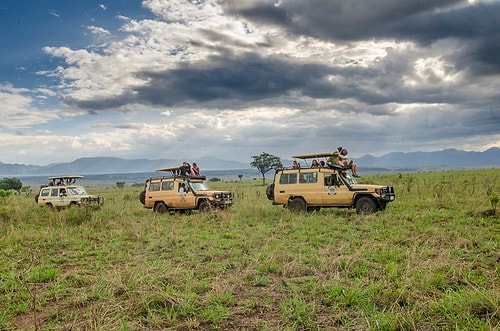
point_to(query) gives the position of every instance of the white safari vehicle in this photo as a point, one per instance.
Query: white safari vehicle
(65, 191)
(308, 188)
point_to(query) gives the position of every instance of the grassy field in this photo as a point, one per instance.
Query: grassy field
(431, 261)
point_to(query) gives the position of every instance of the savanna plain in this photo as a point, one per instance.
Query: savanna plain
(430, 261)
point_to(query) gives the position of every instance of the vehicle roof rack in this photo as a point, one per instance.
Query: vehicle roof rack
(314, 155)
(65, 177)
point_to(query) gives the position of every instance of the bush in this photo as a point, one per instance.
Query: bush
(11, 184)
(4, 193)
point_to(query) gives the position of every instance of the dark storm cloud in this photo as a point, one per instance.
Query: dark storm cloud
(253, 79)
(226, 82)
(249, 78)
(237, 81)
(424, 22)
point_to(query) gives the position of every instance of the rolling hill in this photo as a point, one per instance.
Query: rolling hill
(411, 161)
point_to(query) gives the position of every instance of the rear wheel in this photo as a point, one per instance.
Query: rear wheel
(365, 205)
(297, 204)
(161, 208)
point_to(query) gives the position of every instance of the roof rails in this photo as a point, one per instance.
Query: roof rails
(65, 177)
(314, 155)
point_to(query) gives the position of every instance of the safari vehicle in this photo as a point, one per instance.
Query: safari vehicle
(182, 193)
(65, 191)
(307, 188)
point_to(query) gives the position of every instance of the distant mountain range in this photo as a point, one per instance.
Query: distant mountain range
(445, 159)
(113, 165)
(413, 161)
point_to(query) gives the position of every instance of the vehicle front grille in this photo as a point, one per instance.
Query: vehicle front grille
(388, 193)
(224, 197)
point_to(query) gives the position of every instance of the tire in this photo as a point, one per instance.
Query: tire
(204, 206)
(297, 204)
(161, 207)
(365, 205)
(270, 191)
(142, 197)
(36, 197)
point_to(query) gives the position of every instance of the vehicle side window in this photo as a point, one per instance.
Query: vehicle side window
(311, 177)
(154, 187)
(45, 193)
(288, 179)
(167, 186)
(54, 193)
(332, 180)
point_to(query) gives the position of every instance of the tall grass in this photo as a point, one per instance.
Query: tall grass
(429, 262)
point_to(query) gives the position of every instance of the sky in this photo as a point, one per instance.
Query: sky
(182, 79)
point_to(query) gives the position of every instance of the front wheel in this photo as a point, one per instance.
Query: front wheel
(161, 208)
(204, 206)
(365, 205)
(297, 204)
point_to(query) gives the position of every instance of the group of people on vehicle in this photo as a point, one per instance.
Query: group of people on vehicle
(188, 170)
(338, 158)
(61, 182)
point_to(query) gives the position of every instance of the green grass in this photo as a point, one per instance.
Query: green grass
(429, 262)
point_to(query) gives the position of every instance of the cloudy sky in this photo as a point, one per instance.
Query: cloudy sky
(231, 78)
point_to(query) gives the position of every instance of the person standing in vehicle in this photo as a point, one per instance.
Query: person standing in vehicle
(184, 169)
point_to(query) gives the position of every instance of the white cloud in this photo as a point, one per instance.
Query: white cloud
(18, 110)
(233, 79)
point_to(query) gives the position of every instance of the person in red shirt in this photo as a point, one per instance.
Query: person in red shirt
(195, 170)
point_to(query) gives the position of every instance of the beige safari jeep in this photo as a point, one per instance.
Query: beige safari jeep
(65, 191)
(182, 193)
(307, 188)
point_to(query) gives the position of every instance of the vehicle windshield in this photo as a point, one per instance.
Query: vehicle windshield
(76, 190)
(199, 186)
(349, 179)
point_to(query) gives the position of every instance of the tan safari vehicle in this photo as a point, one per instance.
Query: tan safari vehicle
(182, 193)
(65, 191)
(307, 189)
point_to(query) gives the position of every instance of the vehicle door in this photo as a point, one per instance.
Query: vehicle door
(152, 194)
(285, 186)
(44, 197)
(335, 192)
(310, 186)
(185, 198)
(58, 197)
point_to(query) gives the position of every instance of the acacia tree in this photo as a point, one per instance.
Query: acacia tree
(265, 162)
